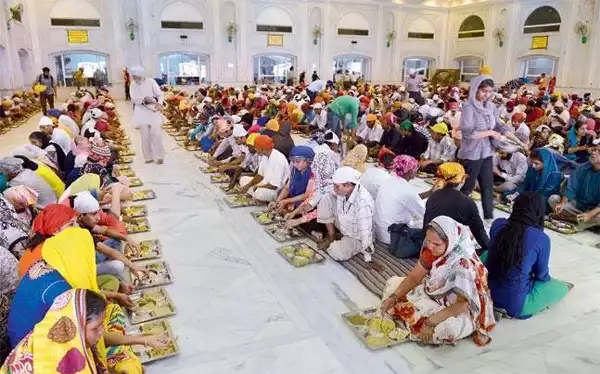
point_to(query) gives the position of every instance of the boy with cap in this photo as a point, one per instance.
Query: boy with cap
(441, 148)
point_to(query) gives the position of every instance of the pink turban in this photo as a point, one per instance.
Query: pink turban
(404, 164)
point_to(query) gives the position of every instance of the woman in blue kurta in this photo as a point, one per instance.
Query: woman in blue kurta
(517, 261)
(545, 173)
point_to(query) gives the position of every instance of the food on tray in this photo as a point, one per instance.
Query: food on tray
(126, 152)
(135, 211)
(151, 304)
(236, 190)
(266, 217)
(238, 201)
(424, 175)
(121, 167)
(149, 249)
(135, 182)
(162, 328)
(125, 160)
(143, 195)
(375, 329)
(475, 195)
(157, 274)
(282, 233)
(209, 170)
(136, 225)
(222, 178)
(202, 155)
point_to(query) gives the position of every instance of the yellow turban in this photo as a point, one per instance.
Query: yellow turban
(273, 124)
(251, 96)
(440, 128)
(183, 105)
(371, 117)
(485, 70)
(251, 138)
(450, 172)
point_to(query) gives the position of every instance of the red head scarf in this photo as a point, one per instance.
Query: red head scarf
(52, 218)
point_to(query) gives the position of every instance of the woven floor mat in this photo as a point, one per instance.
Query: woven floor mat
(374, 279)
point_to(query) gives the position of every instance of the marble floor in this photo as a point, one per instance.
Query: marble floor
(242, 309)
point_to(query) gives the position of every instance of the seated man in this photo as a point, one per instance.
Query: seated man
(238, 153)
(390, 136)
(248, 165)
(522, 131)
(441, 148)
(509, 170)
(273, 171)
(373, 178)
(581, 201)
(412, 142)
(447, 200)
(107, 239)
(371, 134)
(349, 208)
(398, 203)
(319, 121)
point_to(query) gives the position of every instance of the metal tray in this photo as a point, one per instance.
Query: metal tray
(143, 195)
(192, 148)
(238, 201)
(236, 190)
(266, 217)
(151, 304)
(121, 167)
(562, 227)
(135, 182)
(127, 152)
(135, 211)
(361, 331)
(126, 173)
(425, 175)
(150, 249)
(220, 178)
(282, 234)
(290, 253)
(160, 274)
(124, 160)
(180, 138)
(137, 225)
(503, 207)
(160, 327)
(430, 181)
(209, 170)
(202, 155)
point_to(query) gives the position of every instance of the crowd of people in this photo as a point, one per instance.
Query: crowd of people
(527, 147)
(349, 184)
(64, 277)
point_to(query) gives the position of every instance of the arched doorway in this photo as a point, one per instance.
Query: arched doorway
(352, 68)
(94, 64)
(25, 65)
(272, 69)
(181, 68)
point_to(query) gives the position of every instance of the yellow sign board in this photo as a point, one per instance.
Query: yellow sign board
(274, 39)
(77, 36)
(539, 42)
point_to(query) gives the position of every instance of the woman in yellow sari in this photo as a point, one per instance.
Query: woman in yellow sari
(68, 261)
(67, 339)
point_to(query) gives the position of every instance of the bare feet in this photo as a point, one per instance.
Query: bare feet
(323, 245)
(159, 161)
(149, 161)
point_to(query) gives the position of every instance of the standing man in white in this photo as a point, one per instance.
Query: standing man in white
(147, 101)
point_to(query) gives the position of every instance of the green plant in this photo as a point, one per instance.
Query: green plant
(231, 30)
(390, 36)
(316, 34)
(583, 30)
(16, 12)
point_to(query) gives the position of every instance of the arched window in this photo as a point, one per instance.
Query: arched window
(469, 67)
(181, 15)
(272, 69)
(274, 19)
(421, 65)
(86, 15)
(353, 24)
(534, 67)
(184, 68)
(471, 27)
(543, 19)
(92, 63)
(421, 28)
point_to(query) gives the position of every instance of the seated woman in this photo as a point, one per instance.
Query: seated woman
(445, 297)
(23, 199)
(13, 230)
(237, 143)
(53, 150)
(9, 279)
(68, 263)
(544, 175)
(79, 146)
(517, 261)
(301, 182)
(540, 137)
(46, 173)
(578, 143)
(83, 312)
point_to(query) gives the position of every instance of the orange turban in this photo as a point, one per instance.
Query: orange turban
(263, 142)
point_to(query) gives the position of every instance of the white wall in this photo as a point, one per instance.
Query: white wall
(232, 63)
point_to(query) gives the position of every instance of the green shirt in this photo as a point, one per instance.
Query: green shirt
(3, 182)
(344, 105)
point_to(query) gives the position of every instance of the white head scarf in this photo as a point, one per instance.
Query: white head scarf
(85, 203)
(239, 131)
(137, 71)
(346, 174)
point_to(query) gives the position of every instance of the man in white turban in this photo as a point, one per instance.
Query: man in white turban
(350, 208)
(147, 114)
